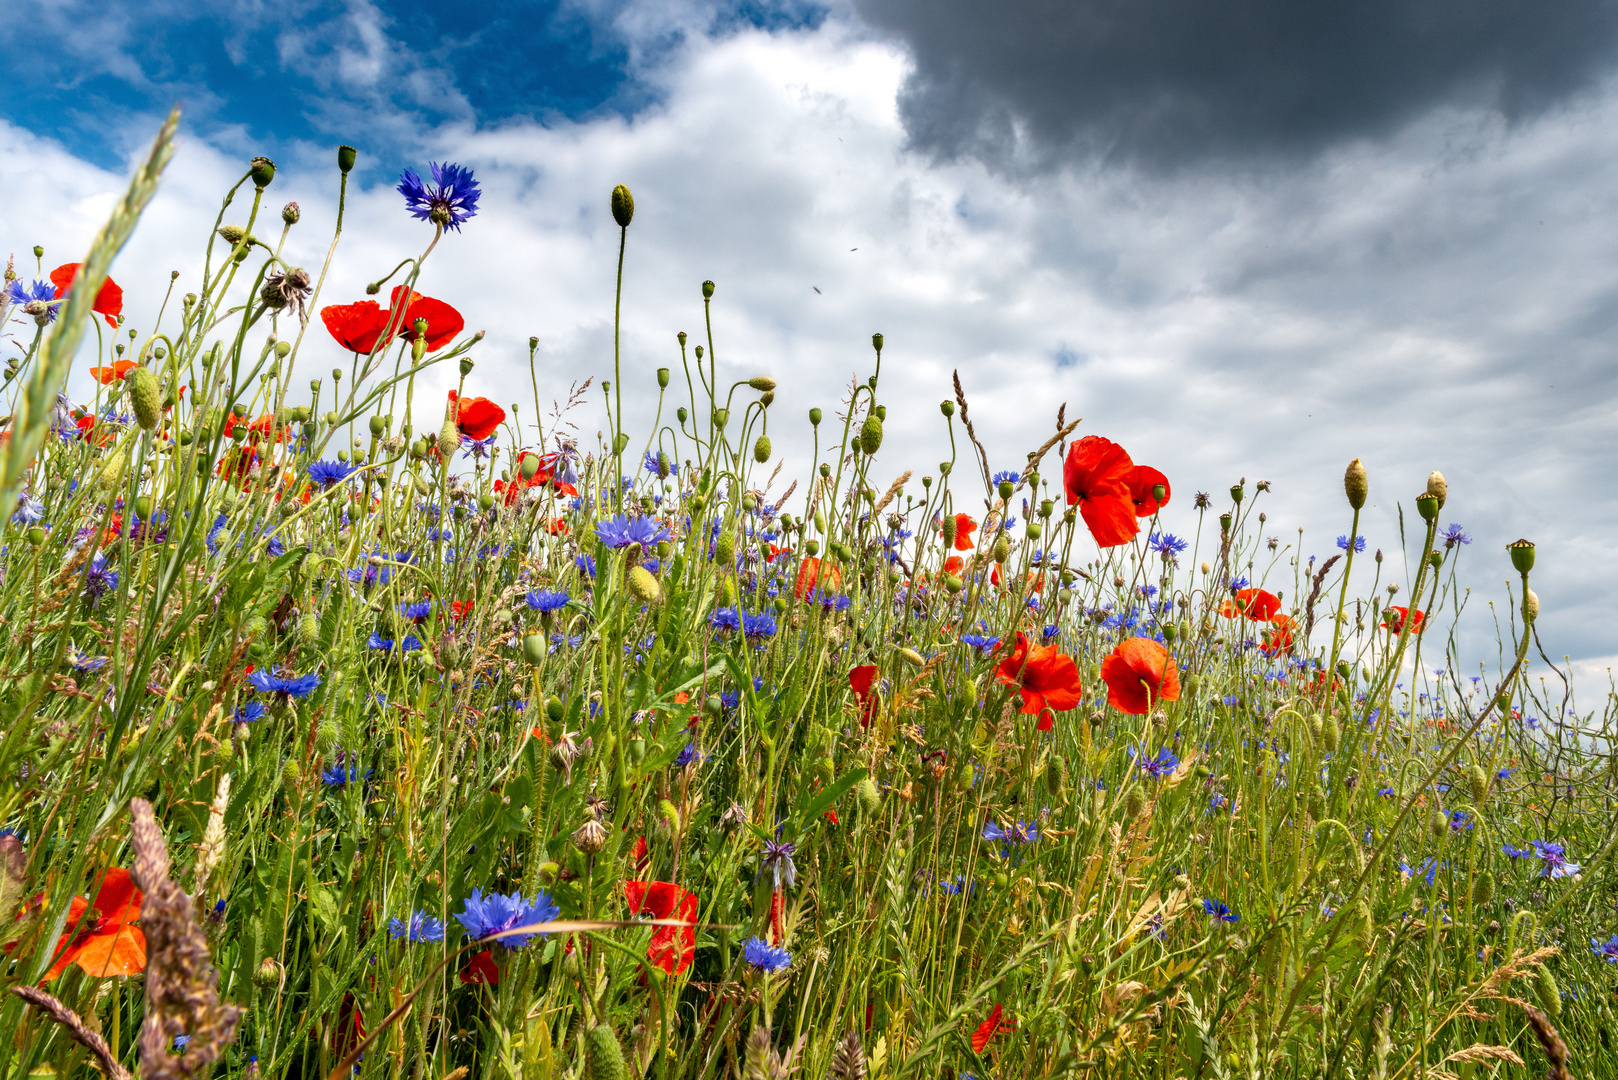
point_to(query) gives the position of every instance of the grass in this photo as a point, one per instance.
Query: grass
(391, 690)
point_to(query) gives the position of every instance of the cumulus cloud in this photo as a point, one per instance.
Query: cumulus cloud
(1442, 299)
(1170, 82)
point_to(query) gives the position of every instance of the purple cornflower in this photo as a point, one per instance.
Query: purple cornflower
(586, 565)
(1161, 766)
(1454, 534)
(777, 858)
(40, 293)
(983, 643)
(30, 511)
(544, 600)
(477, 449)
(327, 473)
(417, 611)
(485, 915)
(1005, 476)
(1607, 950)
(448, 201)
(340, 776)
(99, 578)
(1343, 544)
(687, 755)
(83, 661)
(725, 618)
(621, 531)
(284, 686)
(1166, 544)
(761, 625)
(764, 956)
(248, 713)
(421, 927)
(1219, 910)
(1554, 856)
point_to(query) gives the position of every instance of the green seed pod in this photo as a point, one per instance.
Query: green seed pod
(713, 705)
(662, 378)
(724, 548)
(553, 709)
(533, 648)
(1483, 888)
(761, 449)
(1034, 529)
(1438, 825)
(1426, 506)
(1356, 484)
(1479, 782)
(1055, 775)
(871, 434)
(232, 234)
(263, 171)
(869, 795)
(912, 657)
(345, 158)
(814, 417)
(720, 416)
(36, 536)
(644, 586)
(1522, 555)
(603, 1058)
(1545, 988)
(1331, 734)
(145, 397)
(1002, 548)
(291, 773)
(449, 438)
(1134, 803)
(623, 208)
(953, 584)
(308, 631)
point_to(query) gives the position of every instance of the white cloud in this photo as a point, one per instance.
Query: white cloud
(1442, 300)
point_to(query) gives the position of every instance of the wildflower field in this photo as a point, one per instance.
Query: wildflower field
(352, 731)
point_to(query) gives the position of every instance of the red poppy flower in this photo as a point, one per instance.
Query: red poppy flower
(460, 609)
(481, 969)
(1047, 679)
(109, 302)
(1394, 619)
(1279, 637)
(107, 942)
(640, 855)
(1139, 672)
(357, 327)
(953, 564)
(443, 321)
(1141, 483)
(810, 574)
(1256, 604)
(1097, 477)
(113, 372)
(991, 1027)
(672, 947)
(964, 527)
(862, 680)
(477, 417)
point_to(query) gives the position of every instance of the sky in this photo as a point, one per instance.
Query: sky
(1252, 240)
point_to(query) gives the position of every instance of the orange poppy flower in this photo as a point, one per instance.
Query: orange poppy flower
(1138, 672)
(477, 417)
(460, 609)
(1141, 483)
(356, 327)
(813, 574)
(964, 527)
(1046, 678)
(991, 1027)
(953, 564)
(862, 680)
(443, 321)
(109, 302)
(113, 372)
(1256, 604)
(1097, 477)
(107, 942)
(1394, 619)
(1279, 637)
(671, 947)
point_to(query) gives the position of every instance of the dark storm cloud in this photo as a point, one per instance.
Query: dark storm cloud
(1170, 82)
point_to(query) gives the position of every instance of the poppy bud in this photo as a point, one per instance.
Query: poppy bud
(529, 466)
(761, 383)
(346, 156)
(912, 657)
(663, 469)
(681, 414)
(1427, 506)
(761, 449)
(1530, 606)
(1002, 548)
(719, 417)
(290, 213)
(378, 426)
(1356, 484)
(869, 795)
(533, 648)
(145, 398)
(1522, 555)
(767, 398)
(1550, 996)
(707, 294)
(1134, 803)
(644, 585)
(1331, 735)
(1478, 780)
(662, 378)
(623, 206)
(449, 437)
(947, 407)
(485, 501)
(953, 584)
(39, 252)
(947, 527)
(871, 434)
(262, 171)
(811, 548)
(1055, 775)
(814, 417)
(1437, 487)
(724, 549)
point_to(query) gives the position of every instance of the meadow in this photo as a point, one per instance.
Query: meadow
(348, 730)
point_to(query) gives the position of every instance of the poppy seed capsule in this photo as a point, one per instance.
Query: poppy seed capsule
(623, 206)
(871, 434)
(346, 156)
(1522, 555)
(1427, 506)
(1356, 484)
(707, 294)
(947, 407)
(263, 171)
(145, 398)
(662, 378)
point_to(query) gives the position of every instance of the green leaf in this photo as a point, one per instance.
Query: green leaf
(819, 804)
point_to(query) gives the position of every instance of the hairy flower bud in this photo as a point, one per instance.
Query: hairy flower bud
(1478, 780)
(1356, 484)
(1483, 888)
(871, 434)
(644, 586)
(761, 449)
(868, 795)
(449, 438)
(623, 206)
(145, 398)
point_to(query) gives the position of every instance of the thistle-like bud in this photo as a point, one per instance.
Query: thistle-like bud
(269, 973)
(1437, 487)
(1331, 735)
(871, 434)
(644, 586)
(724, 549)
(346, 156)
(232, 234)
(623, 206)
(603, 1057)
(263, 171)
(290, 213)
(145, 398)
(761, 449)
(1438, 825)
(590, 837)
(1055, 775)
(1002, 548)
(1356, 484)
(1522, 555)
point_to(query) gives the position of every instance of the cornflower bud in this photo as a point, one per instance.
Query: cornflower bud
(290, 213)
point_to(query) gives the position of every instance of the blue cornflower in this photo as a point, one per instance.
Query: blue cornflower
(417, 611)
(327, 473)
(1219, 910)
(248, 713)
(43, 291)
(1005, 476)
(448, 201)
(1607, 950)
(180, 1041)
(340, 776)
(1239, 584)
(651, 464)
(379, 643)
(1386, 792)
(764, 956)
(983, 643)
(777, 859)
(30, 511)
(1454, 534)
(1050, 632)
(1427, 871)
(1554, 856)
(285, 686)
(421, 927)
(1166, 544)
(761, 625)
(477, 449)
(687, 755)
(621, 531)
(586, 565)
(725, 618)
(730, 699)
(485, 915)
(1460, 821)
(99, 578)
(957, 886)
(83, 661)
(1504, 774)
(546, 600)
(1359, 544)
(1517, 852)
(1161, 766)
